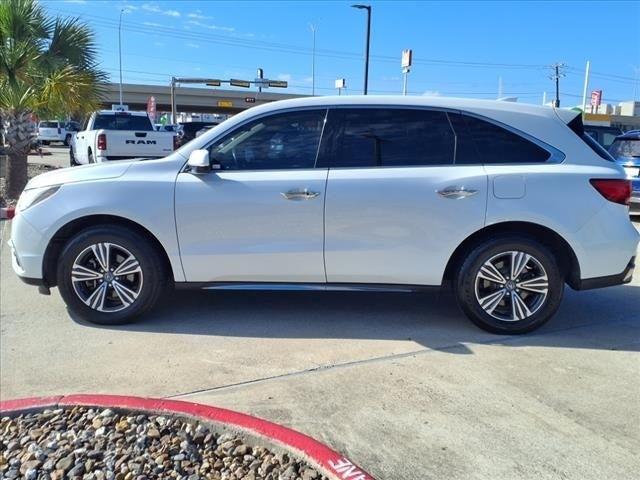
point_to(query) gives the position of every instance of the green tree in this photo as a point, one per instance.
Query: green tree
(48, 67)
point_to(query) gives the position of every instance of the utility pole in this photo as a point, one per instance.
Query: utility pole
(556, 77)
(366, 55)
(586, 87)
(260, 76)
(313, 60)
(120, 50)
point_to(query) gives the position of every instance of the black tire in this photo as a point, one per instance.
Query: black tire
(90, 157)
(72, 158)
(45, 142)
(154, 278)
(465, 286)
(67, 140)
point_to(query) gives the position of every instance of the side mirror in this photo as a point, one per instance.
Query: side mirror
(199, 162)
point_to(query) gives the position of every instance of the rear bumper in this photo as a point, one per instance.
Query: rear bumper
(600, 282)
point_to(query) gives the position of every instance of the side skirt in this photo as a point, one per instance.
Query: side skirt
(283, 286)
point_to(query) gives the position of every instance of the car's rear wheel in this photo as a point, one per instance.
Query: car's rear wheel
(110, 275)
(67, 140)
(90, 156)
(509, 285)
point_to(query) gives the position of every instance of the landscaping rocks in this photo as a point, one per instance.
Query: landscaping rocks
(82, 443)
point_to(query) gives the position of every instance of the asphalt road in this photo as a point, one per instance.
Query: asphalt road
(402, 384)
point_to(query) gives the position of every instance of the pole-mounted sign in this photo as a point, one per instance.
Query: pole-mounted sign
(405, 63)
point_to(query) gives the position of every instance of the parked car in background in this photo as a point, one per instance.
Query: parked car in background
(50, 131)
(603, 135)
(204, 130)
(167, 128)
(190, 129)
(506, 202)
(118, 135)
(626, 151)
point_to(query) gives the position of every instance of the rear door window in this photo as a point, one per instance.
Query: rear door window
(48, 124)
(390, 137)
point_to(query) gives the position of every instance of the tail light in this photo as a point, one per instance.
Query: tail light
(176, 142)
(102, 142)
(614, 190)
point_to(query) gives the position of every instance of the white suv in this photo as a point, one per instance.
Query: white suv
(504, 202)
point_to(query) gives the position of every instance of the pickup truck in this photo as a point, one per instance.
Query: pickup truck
(116, 135)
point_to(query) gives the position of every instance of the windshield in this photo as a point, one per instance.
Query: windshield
(122, 122)
(625, 148)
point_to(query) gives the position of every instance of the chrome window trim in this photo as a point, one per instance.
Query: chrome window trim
(556, 156)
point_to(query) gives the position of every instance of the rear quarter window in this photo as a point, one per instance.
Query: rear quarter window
(480, 141)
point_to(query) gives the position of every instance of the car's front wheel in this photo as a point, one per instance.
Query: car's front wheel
(110, 275)
(509, 285)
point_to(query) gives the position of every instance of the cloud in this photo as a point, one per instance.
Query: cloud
(285, 77)
(153, 8)
(432, 93)
(158, 44)
(80, 2)
(152, 24)
(192, 45)
(211, 26)
(198, 15)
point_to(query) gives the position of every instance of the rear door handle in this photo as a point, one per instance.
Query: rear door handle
(456, 192)
(299, 194)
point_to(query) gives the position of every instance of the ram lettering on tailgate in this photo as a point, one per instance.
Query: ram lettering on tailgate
(139, 142)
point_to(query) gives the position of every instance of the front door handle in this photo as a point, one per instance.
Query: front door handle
(456, 192)
(299, 194)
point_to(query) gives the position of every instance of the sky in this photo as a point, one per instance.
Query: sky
(461, 48)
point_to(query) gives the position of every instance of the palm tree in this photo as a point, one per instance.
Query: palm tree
(48, 68)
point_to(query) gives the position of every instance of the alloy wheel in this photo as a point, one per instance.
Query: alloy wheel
(107, 277)
(511, 286)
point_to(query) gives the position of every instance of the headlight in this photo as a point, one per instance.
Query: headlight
(35, 195)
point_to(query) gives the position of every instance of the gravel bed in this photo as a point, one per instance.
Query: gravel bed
(103, 444)
(33, 169)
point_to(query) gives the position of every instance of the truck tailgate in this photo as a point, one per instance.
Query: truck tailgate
(131, 144)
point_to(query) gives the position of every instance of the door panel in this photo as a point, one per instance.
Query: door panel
(390, 225)
(238, 225)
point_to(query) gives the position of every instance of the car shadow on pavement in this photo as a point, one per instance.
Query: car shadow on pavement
(598, 319)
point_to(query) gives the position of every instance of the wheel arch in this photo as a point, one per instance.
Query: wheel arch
(559, 247)
(60, 238)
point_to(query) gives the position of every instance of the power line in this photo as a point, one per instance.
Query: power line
(135, 27)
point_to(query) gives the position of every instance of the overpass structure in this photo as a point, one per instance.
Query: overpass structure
(190, 99)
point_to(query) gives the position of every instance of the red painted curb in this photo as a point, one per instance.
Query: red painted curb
(336, 465)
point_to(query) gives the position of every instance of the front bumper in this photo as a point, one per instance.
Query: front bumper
(600, 282)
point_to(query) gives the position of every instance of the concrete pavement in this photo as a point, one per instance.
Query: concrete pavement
(402, 384)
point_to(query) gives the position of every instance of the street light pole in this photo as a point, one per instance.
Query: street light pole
(366, 55)
(313, 60)
(120, 50)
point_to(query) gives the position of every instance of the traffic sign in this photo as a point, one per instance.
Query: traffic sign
(239, 83)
